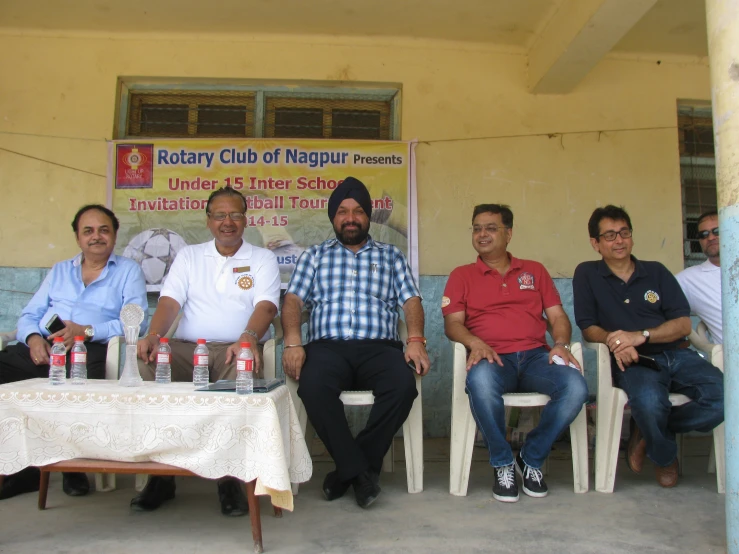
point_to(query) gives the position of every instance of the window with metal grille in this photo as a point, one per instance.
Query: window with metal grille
(174, 111)
(170, 113)
(697, 175)
(295, 117)
(166, 113)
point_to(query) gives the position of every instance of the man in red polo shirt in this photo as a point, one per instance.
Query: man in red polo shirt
(495, 308)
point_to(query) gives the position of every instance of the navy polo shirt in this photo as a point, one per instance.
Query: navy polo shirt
(651, 296)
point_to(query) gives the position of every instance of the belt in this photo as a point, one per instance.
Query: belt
(683, 344)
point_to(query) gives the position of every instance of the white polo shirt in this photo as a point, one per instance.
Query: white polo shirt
(702, 286)
(217, 293)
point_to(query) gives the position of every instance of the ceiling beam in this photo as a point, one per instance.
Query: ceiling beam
(579, 34)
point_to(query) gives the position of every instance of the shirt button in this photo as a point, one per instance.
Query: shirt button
(505, 285)
(626, 301)
(352, 311)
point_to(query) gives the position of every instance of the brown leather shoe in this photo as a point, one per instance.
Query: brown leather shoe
(636, 451)
(667, 476)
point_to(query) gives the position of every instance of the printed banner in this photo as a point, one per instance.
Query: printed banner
(159, 189)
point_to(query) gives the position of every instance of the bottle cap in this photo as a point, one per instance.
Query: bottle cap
(163, 340)
(245, 345)
(201, 341)
(58, 339)
(79, 339)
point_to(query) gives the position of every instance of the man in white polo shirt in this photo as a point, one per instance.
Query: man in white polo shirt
(702, 283)
(228, 291)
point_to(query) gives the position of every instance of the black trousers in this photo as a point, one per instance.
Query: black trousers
(332, 367)
(16, 363)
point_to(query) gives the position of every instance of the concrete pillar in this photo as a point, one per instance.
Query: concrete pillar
(723, 49)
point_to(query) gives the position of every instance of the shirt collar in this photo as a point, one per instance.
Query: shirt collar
(708, 266)
(77, 260)
(639, 269)
(516, 263)
(243, 253)
(331, 243)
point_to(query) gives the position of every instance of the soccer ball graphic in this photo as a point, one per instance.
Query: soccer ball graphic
(154, 250)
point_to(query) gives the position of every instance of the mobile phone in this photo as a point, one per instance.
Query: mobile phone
(649, 362)
(412, 365)
(54, 324)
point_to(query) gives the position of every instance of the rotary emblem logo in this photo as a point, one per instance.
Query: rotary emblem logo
(245, 282)
(445, 301)
(526, 281)
(651, 297)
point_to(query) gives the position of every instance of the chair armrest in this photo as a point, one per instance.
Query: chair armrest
(112, 359)
(717, 356)
(603, 355)
(7, 337)
(576, 350)
(699, 339)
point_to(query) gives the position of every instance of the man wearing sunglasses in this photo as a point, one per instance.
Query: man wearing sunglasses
(228, 291)
(637, 309)
(702, 283)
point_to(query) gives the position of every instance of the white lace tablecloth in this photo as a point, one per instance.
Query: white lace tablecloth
(212, 434)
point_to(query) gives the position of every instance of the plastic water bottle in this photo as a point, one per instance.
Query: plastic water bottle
(163, 373)
(200, 365)
(79, 362)
(245, 370)
(58, 365)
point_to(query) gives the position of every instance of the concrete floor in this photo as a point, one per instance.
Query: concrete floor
(638, 517)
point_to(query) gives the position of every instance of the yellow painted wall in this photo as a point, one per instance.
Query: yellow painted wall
(454, 96)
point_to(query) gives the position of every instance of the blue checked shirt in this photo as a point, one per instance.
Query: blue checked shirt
(353, 296)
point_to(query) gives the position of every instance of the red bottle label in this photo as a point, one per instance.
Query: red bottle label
(244, 365)
(164, 357)
(200, 359)
(59, 359)
(79, 357)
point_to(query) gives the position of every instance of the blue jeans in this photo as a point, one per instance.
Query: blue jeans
(682, 371)
(527, 371)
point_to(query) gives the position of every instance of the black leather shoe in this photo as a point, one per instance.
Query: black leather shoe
(366, 490)
(333, 487)
(232, 497)
(26, 480)
(75, 484)
(157, 491)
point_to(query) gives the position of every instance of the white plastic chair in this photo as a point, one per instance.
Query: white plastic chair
(412, 428)
(609, 420)
(104, 482)
(699, 339)
(463, 427)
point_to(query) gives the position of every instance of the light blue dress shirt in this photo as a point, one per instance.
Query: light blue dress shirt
(99, 304)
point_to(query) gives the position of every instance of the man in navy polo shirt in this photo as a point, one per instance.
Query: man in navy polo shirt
(637, 308)
(494, 307)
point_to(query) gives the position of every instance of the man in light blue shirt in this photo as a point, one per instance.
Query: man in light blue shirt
(86, 294)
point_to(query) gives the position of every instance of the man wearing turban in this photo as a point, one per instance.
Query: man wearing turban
(352, 286)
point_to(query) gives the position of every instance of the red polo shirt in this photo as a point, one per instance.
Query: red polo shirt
(505, 311)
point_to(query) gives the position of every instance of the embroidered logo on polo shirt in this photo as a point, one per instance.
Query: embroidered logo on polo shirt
(651, 297)
(445, 301)
(526, 281)
(245, 282)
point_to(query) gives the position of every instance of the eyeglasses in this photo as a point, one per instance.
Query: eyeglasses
(705, 234)
(235, 216)
(610, 236)
(492, 229)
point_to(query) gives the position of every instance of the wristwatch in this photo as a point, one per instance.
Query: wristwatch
(89, 332)
(416, 339)
(646, 336)
(563, 345)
